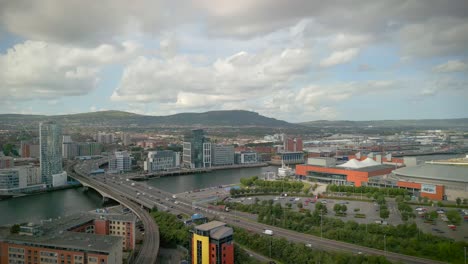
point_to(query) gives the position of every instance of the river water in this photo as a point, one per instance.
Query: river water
(54, 204)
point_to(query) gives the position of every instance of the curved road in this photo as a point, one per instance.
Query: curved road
(150, 248)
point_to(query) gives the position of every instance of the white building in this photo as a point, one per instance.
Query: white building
(126, 139)
(120, 162)
(162, 160)
(105, 138)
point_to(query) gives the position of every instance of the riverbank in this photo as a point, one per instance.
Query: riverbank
(195, 171)
(40, 191)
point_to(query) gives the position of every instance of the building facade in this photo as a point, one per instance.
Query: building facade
(6, 162)
(162, 160)
(121, 161)
(212, 243)
(222, 155)
(196, 150)
(246, 157)
(105, 138)
(293, 144)
(50, 141)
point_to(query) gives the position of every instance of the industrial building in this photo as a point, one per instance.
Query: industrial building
(212, 243)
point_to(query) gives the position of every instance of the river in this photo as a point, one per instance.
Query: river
(63, 202)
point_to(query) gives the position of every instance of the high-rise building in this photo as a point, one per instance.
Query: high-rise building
(162, 160)
(222, 155)
(196, 150)
(120, 162)
(105, 138)
(126, 139)
(212, 243)
(50, 141)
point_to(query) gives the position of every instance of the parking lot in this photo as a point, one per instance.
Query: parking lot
(370, 210)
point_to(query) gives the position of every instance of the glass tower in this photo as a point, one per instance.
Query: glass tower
(50, 141)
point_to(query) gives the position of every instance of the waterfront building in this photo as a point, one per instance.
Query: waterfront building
(196, 150)
(50, 141)
(222, 155)
(162, 160)
(212, 243)
(121, 161)
(20, 179)
(6, 162)
(246, 157)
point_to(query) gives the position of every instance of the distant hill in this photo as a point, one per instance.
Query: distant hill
(235, 118)
(421, 123)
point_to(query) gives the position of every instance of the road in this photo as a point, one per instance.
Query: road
(145, 194)
(149, 250)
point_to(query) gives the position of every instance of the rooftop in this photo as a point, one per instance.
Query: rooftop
(436, 172)
(210, 225)
(221, 233)
(65, 239)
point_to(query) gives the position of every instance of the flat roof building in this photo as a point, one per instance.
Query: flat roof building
(212, 243)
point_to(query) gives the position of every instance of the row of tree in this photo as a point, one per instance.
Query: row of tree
(288, 252)
(405, 239)
(253, 185)
(172, 232)
(366, 189)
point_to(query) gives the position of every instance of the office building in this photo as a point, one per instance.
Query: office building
(20, 179)
(246, 157)
(121, 161)
(50, 141)
(196, 150)
(6, 162)
(162, 160)
(222, 155)
(212, 243)
(89, 148)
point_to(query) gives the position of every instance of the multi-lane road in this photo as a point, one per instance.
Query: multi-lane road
(142, 193)
(150, 248)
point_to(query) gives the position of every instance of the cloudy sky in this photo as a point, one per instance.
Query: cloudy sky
(294, 60)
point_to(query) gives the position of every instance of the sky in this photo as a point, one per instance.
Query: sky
(299, 60)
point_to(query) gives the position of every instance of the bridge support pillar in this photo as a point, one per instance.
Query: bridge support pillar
(105, 199)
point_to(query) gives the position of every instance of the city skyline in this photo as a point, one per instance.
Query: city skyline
(299, 61)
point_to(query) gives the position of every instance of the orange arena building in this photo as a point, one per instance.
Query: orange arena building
(353, 172)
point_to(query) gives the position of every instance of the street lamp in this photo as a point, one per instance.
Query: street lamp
(385, 243)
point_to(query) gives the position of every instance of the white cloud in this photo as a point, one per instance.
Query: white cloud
(451, 66)
(339, 57)
(39, 70)
(345, 41)
(184, 83)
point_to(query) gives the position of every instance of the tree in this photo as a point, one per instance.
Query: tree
(344, 208)
(458, 201)
(454, 217)
(465, 201)
(14, 229)
(337, 208)
(384, 213)
(299, 205)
